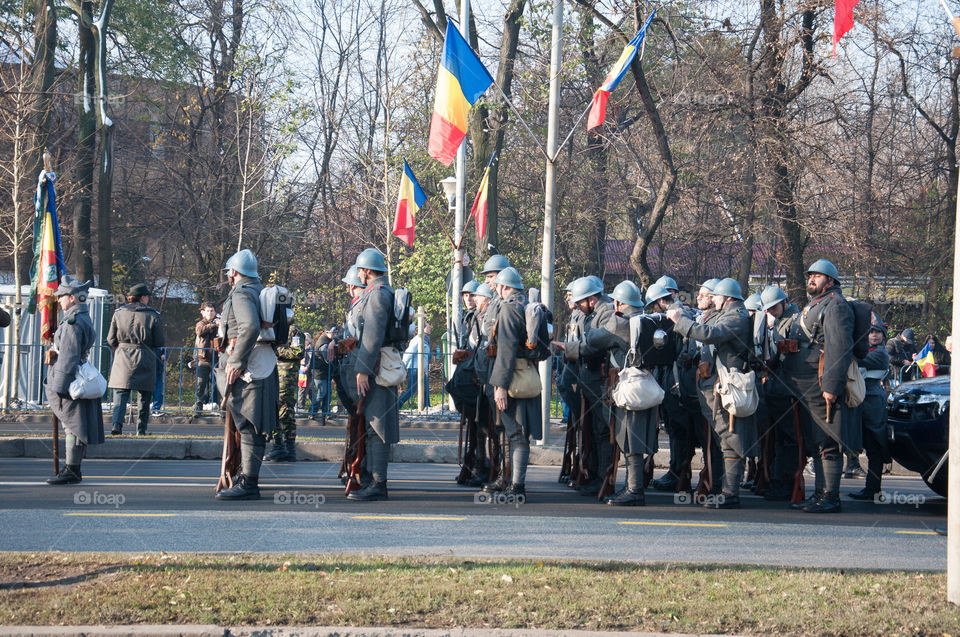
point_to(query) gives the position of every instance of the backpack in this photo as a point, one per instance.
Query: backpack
(538, 321)
(398, 327)
(862, 317)
(274, 303)
(653, 343)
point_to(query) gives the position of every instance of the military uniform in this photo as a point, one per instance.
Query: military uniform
(136, 334)
(568, 389)
(825, 327)
(465, 391)
(727, 337)
(873, 410)
(485, 403)
(288, 369)
(679, 423)
(781, 421)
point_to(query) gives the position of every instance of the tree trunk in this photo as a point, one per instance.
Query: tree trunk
(86, 144)
(105, 180)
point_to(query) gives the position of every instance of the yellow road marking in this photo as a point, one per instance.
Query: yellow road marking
(672, 524)
(916, 533)
(401, 517)
(122, 515)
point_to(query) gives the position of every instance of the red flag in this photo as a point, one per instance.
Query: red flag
(479, 209)
(842, 20)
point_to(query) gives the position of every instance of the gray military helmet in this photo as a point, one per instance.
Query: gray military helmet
(771, 295)
(656, 292)
(483, 290)
(70, 285)
(352, 277)
(469, 287)
(668, 283)
(496, 263)
(753, 302)
(244, 262)
(585, 287)
(909, 337)
(597, 281)
(822, 266)
(628, 292)
(510, 278)
(710, 284)
(371, 259)
(728, 287)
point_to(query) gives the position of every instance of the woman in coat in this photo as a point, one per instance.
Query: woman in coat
(81, 419)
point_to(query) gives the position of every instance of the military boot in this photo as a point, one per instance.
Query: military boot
(799, 506)
(70, 474)
(666, 482)
(829, 501)
(632, 494)
(519, 457)
(291, 449)
(278, 451)
(377, 456)
(872, 487)
(245, 488)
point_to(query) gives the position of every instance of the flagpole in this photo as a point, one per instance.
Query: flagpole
(550, 211)
(458, 215)
(573, 129)
(521, 120)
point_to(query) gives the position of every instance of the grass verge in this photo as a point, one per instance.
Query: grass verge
(250, 589)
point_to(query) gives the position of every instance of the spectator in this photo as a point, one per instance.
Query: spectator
(901, 349)
(941, 357)
(411, 360)
(323, 371)
(205, 357)
(304, 374)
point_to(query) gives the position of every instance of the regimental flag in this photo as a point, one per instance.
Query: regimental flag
(924, 360)
(409, 201)
(479, 209)
(461, 80)
(598, 109)
(842, 20)
(47, 265)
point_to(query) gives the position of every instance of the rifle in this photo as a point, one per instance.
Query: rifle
(359, 424)
(569, 445)
(584, 444)
(493, 446)
(230, 458)
(610, 476)
(799, 488)
(468, 460)
(705, 484)
(767, 450)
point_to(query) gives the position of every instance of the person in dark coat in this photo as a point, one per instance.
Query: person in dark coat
(81, 419)
(876, 366)
(729, 340)
(247, 373)
(379, 402)
(901, 349)
(136, 336)
(817, 373)
(520, 417)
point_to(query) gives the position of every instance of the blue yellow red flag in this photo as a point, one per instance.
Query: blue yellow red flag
(47, 267)
(409, 201)
(479, 209)
(461, 80)
(925, 361)
(598, 108)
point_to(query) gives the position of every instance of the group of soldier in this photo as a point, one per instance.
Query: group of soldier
(692, 357)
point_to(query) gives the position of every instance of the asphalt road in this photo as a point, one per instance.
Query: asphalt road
(156, 505)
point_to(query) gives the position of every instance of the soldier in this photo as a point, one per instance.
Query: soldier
(567, 388)
(520, 417)
(818, 374)
(463, 388)
(587, 294)
(486, 318)
(379, 402)
(753, 303)
(247, 373)
(82, 419)
(729, 338)
(636, 431)
(874, 409)
(284, 448)
(136, 335)
(488, 445)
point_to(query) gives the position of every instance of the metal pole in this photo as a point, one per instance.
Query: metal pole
(458, 214)
(421, 358)
(550, 211)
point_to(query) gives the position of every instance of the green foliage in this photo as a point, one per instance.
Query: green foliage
(423, 271)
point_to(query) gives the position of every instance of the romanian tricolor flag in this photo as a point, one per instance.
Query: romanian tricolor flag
(461, 80)
(842, 20)
(47, 265)
(479, 209)
(924, 360)
(409, 201)
(598, 109)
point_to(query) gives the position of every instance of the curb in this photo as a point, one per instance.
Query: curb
(147, 630)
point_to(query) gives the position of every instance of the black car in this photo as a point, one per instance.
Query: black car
(918, 418)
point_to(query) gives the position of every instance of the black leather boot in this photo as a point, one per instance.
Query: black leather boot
(243, 489)
(829, 502)
(291, 444)
(278, 452)
(373, 491)
(70, 474)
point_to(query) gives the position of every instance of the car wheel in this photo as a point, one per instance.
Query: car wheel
(939, 484)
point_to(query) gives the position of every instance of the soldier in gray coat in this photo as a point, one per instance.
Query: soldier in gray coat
(729, 340)
(81, 419)
(380, 409)
(874, 409)
(817, 373)
(520, 417)
(485, 320)
(247, 373)
(136, 336)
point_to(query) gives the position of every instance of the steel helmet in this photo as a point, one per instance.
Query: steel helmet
(483, 290)
(244, 262)
(753, 302)
(822, 266)
(496, 263)
(628, 292)
(585, 287)
(371, 259)
(597, 281)
(352, 277)
(656, 292)
(469, 287)
(668, 283)
(771, 295)
(710, 284)
(876, 323)
(510, 278)
(728, 287)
